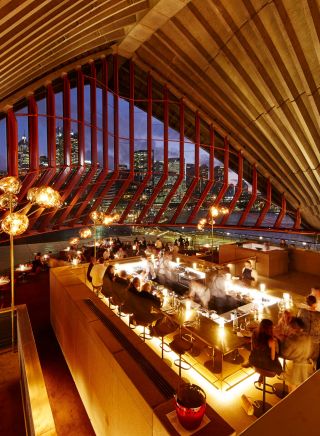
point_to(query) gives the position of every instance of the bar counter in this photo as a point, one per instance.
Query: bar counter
(125, 387)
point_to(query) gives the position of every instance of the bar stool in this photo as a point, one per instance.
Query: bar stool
(180, 346)
(281, 389)
(263, 406)
(162, 330)
(144, 323)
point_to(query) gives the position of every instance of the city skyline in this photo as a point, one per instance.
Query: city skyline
(140, 127)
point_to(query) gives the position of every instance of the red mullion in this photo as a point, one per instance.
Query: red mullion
(105, 122)
(141, 188)
(195, 181)
(81, 149)
(129, 179)
(33, 146)
(66, 151)
(164, 176)
(104, 173)
(239, 190)
(94, 153)
(80, 115)
(51, 140)
(297, 222)
(66, 168)
(66, 121)
(93, 114)
(210, 183)
(181, 172)
(252, 198)
(266, 206)
(115, 174)
(12, 143)
(282, 213)
(51, 136)
(225, 174)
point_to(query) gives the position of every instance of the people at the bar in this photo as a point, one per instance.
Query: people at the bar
(264, 348)
(283, 327)
(298, 350)
(135, 285)
(311, 319)
(146, 293)
(97, 273)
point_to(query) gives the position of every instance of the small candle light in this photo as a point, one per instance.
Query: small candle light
(286, 296)
(134, 247)
(188, 305)
(194, 265)
(262, 287)
(178, 260)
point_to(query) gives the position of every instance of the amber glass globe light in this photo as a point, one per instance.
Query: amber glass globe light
(107, 220)
(97, 217)
(10, 184)
(6, 199)
(31, 195)
(85, 233)
(115, 217)
(47, 197)
(15, 223)
(74, 241)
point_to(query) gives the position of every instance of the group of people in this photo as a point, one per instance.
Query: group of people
(129, 294)
(295, 338)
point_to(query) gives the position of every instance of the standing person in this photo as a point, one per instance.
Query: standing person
(92, 262)
(249, 274)
(97, 273)
(36, 264)
(297, 348)
(264, 348)
(311, 320)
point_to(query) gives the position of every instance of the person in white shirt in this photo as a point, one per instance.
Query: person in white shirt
(97, 273)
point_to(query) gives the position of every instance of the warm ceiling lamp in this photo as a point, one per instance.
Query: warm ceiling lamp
(45, 196)
(74, 241)
(97, 217)
(10, 184)
(8, 200)
(31, 195)
(15, 223)
(85, 233)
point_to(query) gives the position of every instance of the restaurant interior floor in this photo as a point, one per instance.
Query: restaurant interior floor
(68, 411)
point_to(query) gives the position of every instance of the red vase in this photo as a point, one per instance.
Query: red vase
(190, 417)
